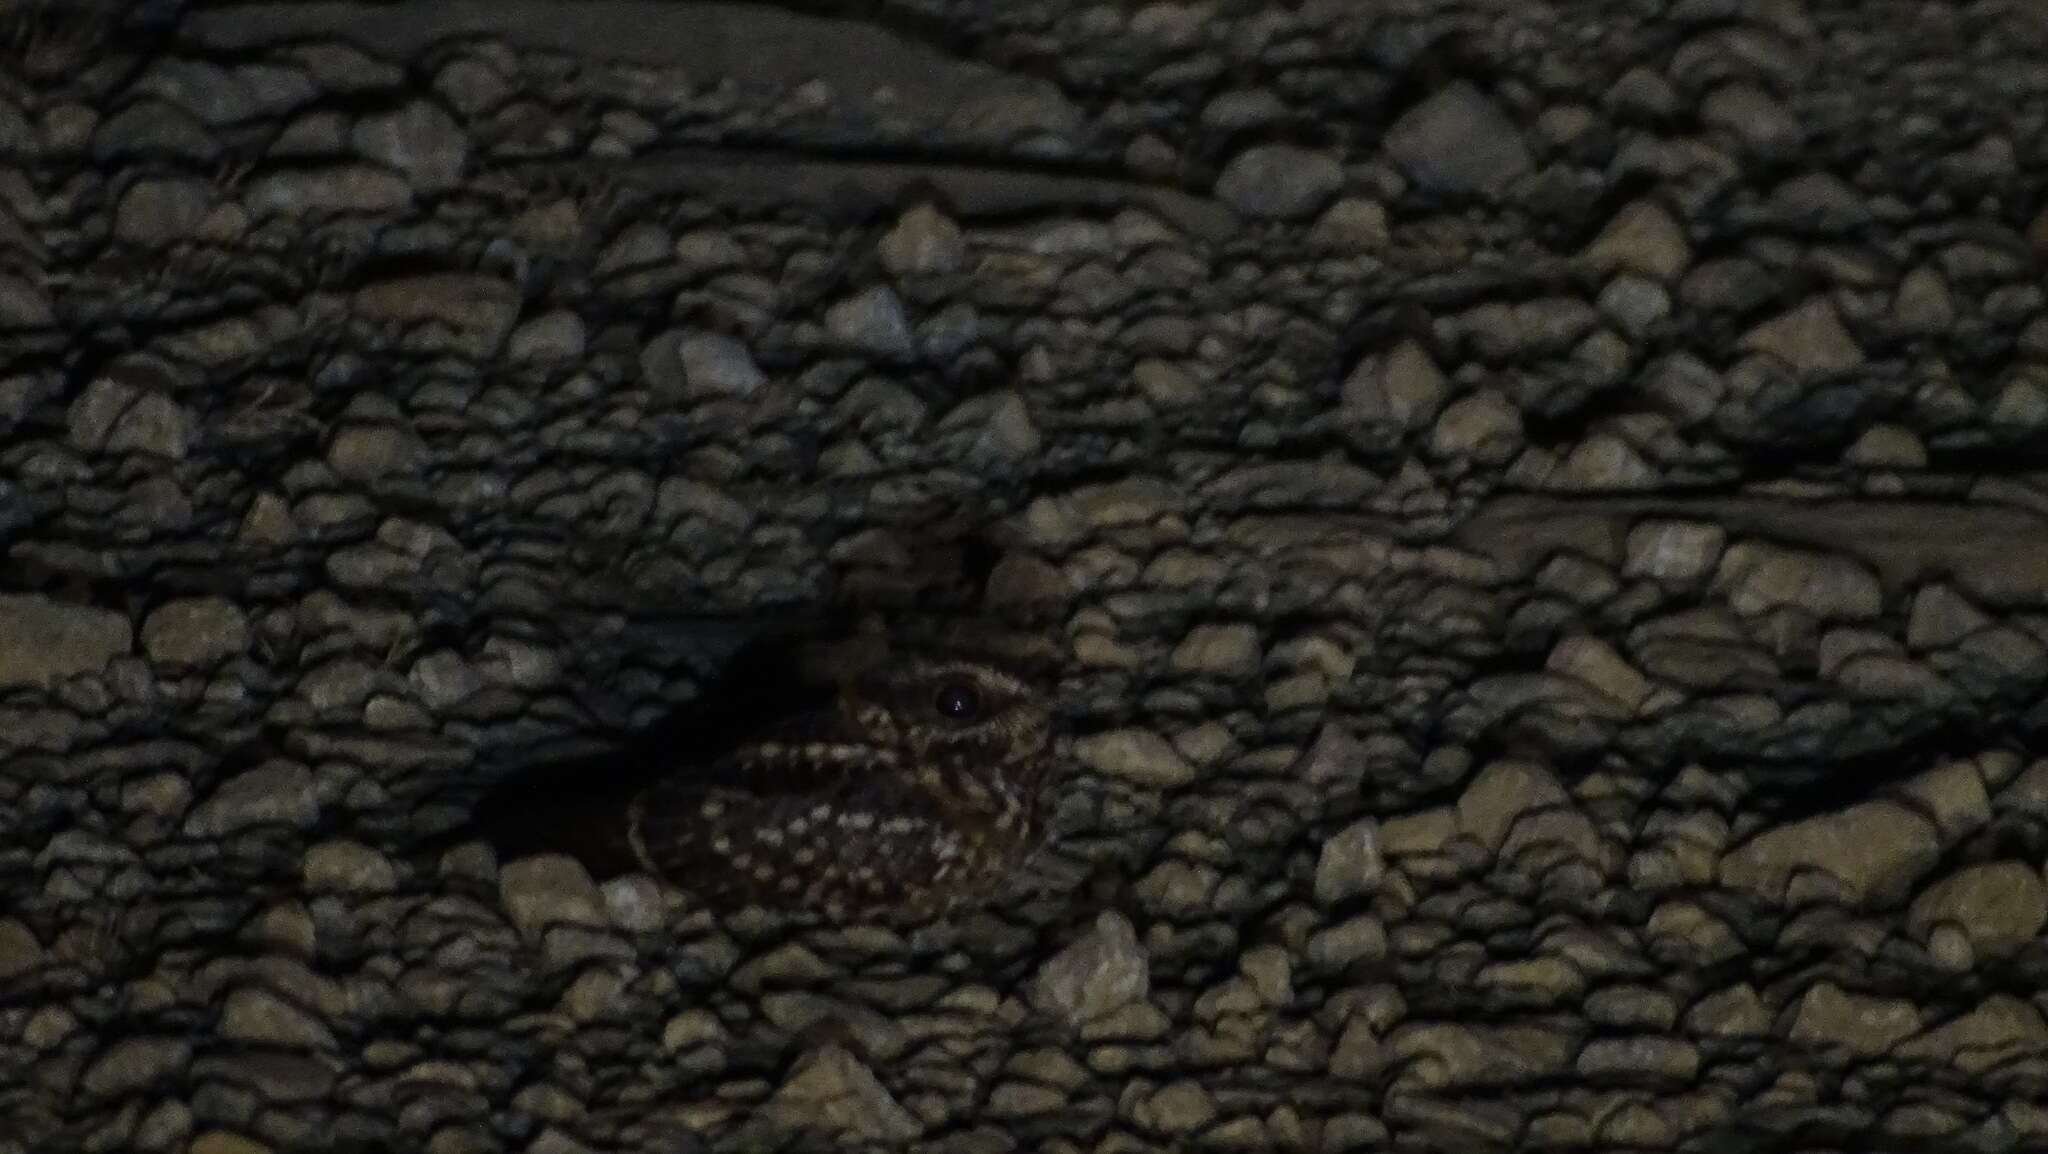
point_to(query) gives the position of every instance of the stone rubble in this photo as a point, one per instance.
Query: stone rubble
(1539, 508)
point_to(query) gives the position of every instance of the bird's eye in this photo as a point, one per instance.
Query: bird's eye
(959, 702)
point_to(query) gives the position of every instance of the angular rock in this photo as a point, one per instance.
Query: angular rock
(831, 1089)
(1457, 141)
(1676, 551)
(872, 321)
(1102, 971)
(1642, 239)
(925, 242)
(1349, 863)
(1501, 795)
(1809, 339)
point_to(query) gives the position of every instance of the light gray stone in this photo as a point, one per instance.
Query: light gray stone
(872, 321)
(1102, 971)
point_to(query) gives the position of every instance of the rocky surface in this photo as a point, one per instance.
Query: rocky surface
(1542, 506)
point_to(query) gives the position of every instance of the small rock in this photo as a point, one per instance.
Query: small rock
(1642, 239)
(1405, 388)
(1139, 756)
(1457, 141)
(925, 242)
(328, 190)
(1735, 1012)
(1757, 578)
(1886, 446)
(255, 1014)
(44, 641)
(1877, 850)
(1003, 428)
(1941, 616)
(872, 321)
(225, 1142)
(1483, 426)
(1352, 224)
(550, 338)
(1228, 651)
(1102, 971)
(278, 792)
(1349, 863)
(136, 1063)
(1359, 939)
(444, 680)
(195, 631)
(832, 1089)
(419, 140)
(2001, 906)
(162, 212)
(1865, 1026)
(1501, 795)
(349, 867)
(24, 304)
(1595, 662)
(20, 952)
(1755, 118)
(1809, 338)
(1675, 551)
(1923, 305)
(1181, 1107)
(477, 311)
(539, 892)
(1279, 181)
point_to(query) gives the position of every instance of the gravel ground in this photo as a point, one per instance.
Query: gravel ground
(1542, 505)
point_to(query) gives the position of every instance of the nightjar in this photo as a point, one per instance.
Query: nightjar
(917, 786)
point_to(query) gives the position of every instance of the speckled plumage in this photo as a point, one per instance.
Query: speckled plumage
(876, 806)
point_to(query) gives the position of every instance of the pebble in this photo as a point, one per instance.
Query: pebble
(275, 793)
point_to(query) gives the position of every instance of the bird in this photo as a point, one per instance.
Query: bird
(911, 785)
